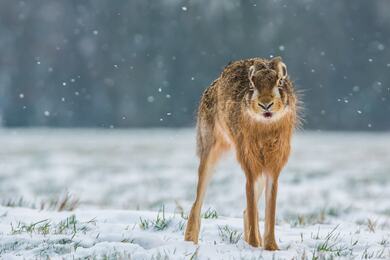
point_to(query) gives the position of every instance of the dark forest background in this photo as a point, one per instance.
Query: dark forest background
(144, 63)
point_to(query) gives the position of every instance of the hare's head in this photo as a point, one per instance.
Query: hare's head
(270, 90)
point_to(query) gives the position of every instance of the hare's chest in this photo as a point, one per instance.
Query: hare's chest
(267, 148)
(272, 152)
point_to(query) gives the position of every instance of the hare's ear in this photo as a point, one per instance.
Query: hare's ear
(279, 67)
(252, 71)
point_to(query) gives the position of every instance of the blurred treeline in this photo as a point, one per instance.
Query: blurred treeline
(88, 63)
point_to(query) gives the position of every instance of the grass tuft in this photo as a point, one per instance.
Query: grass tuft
(66, 202)
(331, 245)
(144, 223)
(210, 214)
(158, 224)
(229, 235)
(371, 224)
(375, 254)
(69, 226)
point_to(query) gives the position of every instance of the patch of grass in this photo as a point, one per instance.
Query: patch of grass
(375, 254)
(144, 223)
(20, 202)
(371, 224)
(160, 256)
(180, 225)
(331, 245)
(127, 240)
(309, 219)
(210, 214)
(73, 226)
(69, 226)
(384, 242)
(158, 224)
(161, 222)
(183, 216)
(229, 235)
(320, 216)
(39, 227)
(194, 256)
(317, 235)
(115, 255)
(66, 202)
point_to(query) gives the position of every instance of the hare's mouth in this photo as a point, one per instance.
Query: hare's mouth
(267, 114)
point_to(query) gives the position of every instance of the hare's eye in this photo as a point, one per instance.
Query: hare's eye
(281, 82)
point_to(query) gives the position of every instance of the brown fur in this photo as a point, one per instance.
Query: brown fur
(230, 116)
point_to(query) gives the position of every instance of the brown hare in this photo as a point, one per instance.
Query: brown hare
(251, 107)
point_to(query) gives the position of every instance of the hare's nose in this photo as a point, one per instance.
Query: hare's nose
(266, 106)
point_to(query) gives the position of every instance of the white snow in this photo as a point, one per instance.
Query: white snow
(333, 198)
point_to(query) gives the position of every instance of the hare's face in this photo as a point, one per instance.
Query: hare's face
(268, 100)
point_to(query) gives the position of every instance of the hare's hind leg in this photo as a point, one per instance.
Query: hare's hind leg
(209, 155)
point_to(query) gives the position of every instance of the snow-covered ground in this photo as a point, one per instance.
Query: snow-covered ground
(334, 197)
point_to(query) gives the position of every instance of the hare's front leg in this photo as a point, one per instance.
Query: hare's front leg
(258, 187)
(252, 227)
(271, 190)
(251, 215)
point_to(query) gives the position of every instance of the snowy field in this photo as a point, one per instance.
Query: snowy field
(121, 194)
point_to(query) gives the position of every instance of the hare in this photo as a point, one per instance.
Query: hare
(251, 107)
